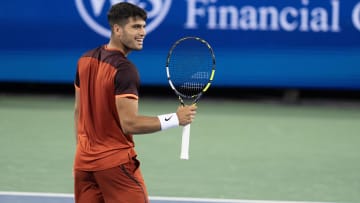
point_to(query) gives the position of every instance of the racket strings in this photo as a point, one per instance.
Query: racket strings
(190, 66)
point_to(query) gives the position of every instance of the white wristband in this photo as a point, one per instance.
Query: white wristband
(168, 121)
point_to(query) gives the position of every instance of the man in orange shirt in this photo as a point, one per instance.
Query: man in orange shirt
(106, 115)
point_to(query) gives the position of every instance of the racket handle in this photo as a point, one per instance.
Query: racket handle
(185, 141)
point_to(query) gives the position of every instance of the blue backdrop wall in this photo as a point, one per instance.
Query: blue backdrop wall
(263, 43)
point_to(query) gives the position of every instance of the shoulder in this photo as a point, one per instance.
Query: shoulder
(125, 65)
(117, 60)
(92, 52)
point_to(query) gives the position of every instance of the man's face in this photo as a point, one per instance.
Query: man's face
(133, 34)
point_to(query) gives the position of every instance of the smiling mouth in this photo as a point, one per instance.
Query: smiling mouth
(140, 40)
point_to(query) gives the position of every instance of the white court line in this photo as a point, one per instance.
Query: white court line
(36, 194)
(186, 199)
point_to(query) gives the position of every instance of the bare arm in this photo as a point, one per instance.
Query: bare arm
(132, 123)
(76, 110)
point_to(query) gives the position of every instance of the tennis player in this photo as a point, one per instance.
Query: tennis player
(106, 115)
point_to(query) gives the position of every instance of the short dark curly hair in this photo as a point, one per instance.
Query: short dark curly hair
(121, 12)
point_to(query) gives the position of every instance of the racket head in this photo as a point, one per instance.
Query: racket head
(190, 68)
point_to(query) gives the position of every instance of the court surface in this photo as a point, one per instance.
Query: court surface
(244, 151)
(16, 197)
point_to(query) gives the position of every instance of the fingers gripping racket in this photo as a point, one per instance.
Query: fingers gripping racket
(190, 69)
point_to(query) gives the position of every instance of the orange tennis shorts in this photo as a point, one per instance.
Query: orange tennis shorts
(121, 184)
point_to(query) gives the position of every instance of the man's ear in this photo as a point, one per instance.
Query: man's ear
(117, 29)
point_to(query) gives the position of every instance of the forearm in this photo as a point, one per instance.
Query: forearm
(141, 125)
(133, 123)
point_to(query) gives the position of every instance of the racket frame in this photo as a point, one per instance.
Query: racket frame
(195, 97)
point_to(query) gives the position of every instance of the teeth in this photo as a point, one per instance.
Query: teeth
(140, 41)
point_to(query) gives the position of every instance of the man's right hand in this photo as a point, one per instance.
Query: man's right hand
(186, 114)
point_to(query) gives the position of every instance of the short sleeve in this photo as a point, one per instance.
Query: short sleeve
(127, 82)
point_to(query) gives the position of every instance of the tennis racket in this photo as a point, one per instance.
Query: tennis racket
(190, 69)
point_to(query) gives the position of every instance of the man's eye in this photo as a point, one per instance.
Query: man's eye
(138, 26)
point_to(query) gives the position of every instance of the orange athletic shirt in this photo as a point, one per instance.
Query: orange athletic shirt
(102, 75)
